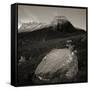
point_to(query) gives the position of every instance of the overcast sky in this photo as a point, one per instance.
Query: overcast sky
(28, 13)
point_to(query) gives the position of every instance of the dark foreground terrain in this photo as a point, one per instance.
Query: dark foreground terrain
(33, 46)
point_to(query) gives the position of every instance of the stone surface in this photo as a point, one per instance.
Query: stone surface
(61, 61)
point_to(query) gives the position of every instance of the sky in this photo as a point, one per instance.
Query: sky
(44, 14)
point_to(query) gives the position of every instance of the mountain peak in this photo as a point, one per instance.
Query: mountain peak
(61, 23)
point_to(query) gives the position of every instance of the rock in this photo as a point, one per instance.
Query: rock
(61, 61)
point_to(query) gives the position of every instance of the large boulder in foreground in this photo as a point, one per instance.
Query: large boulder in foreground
(58, 64)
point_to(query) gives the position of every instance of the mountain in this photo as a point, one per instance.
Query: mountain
(59, 27)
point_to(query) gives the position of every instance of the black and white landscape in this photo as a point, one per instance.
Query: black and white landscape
(51, 53)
